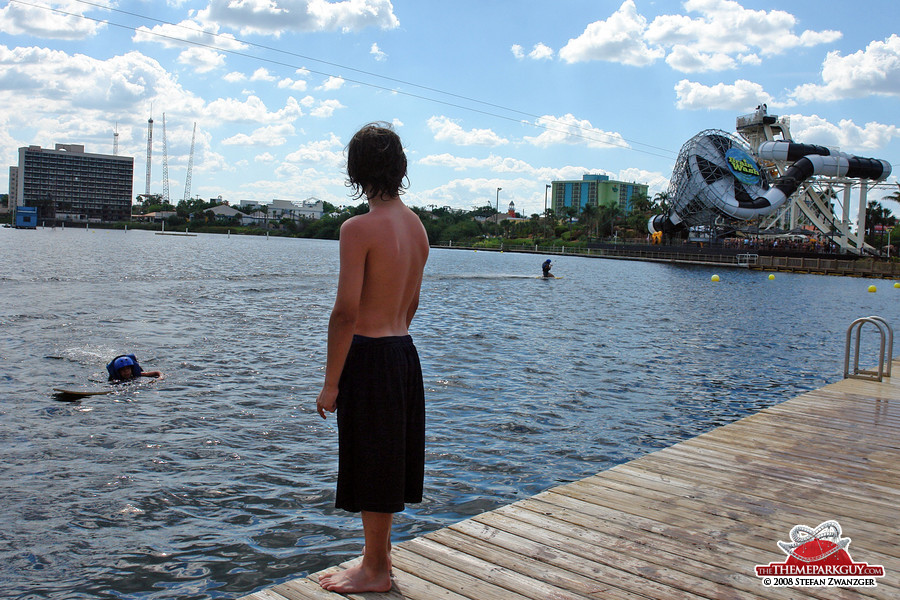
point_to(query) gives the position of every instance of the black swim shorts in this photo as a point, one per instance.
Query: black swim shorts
(381, 426)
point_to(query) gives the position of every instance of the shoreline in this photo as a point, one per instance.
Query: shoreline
(826, 265)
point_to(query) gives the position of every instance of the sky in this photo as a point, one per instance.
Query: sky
(485, 94)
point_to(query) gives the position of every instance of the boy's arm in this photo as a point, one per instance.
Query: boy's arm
(342, 322)
(151, 374)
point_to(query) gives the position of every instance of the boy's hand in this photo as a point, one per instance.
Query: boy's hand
(326, 401)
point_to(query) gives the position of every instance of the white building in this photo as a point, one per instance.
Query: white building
(295, 210)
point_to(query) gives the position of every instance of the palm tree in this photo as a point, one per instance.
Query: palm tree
(661, 201)
(589, 217)
(608, 217)
(876, 214)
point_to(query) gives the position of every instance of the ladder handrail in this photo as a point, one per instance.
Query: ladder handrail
(886, 335)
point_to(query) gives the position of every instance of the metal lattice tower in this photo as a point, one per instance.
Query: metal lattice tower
(187, 180)
(149, 153)
(165, 164)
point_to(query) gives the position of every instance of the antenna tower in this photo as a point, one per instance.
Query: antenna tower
(149, 152)
(187, 181)
(116, 140)
(165, 164)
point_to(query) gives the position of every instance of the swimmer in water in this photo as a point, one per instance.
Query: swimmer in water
(126, 368)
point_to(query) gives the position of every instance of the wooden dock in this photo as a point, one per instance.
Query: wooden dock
(691, 521)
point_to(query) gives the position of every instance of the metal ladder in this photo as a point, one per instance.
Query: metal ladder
(887, 341)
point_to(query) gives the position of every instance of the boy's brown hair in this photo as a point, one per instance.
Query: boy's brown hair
(376, 163)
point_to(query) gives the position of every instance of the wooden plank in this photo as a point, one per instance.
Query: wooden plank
(412, 587)
(668, 545)
(805, 505)
(771, 513)
(266, 594)
(458, 581)
(518, 559)
(305, 589)
(612, 582)
(508, 579)
(634, 562)
(710, 466)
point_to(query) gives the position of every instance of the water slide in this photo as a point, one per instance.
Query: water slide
(715, 175)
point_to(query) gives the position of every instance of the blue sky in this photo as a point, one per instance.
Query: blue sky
(484, 93)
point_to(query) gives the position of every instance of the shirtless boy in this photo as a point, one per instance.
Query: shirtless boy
(372, 374)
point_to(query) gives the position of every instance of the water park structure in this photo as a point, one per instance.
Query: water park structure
(765, 182)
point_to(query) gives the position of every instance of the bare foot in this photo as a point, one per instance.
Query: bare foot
(356, 579)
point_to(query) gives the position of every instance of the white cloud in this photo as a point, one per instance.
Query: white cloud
(331, 84)
(272, 135)
(517, 51)
(265, 157)
(447, 130)
(397, 122)
(617, 39)
(497, 164)
(740, 96)
(172, 35)
(723, 34)
(570, 130)
(875, 70)
(292, 84)
(22, 19)
(325, 109)
(262, 74)
(846, 135)
(202, 60)
(58, 84)
(657, 182)
(328, 151)
(689, 60)
(726, 27)
(271, 17)
(377, 53)
(234, 77)
(252, 110)
(541, 52)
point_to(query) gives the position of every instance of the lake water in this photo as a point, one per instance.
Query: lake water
(219, 480)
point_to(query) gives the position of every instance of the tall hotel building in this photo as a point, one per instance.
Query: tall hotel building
(69, 185)
(598, 190)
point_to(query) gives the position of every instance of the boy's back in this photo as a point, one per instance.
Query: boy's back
(396, 248)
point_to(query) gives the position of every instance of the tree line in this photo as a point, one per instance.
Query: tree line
(481, 225)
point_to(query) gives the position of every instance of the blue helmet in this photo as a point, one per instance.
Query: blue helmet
(125, 360)
(122, 361)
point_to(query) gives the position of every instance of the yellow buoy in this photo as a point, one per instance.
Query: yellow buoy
(897, 285)
(715, 277)
(771, 276)
(872, 288)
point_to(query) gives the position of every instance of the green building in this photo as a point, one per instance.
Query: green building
(598, 190)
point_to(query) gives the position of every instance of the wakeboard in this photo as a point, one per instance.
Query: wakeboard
(82, 392)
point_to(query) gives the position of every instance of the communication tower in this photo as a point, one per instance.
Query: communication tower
(187, 181)
(149, 152)
(116, 140)
(165, 164)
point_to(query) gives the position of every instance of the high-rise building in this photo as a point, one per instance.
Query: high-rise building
(67, 184)
(598, 190)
